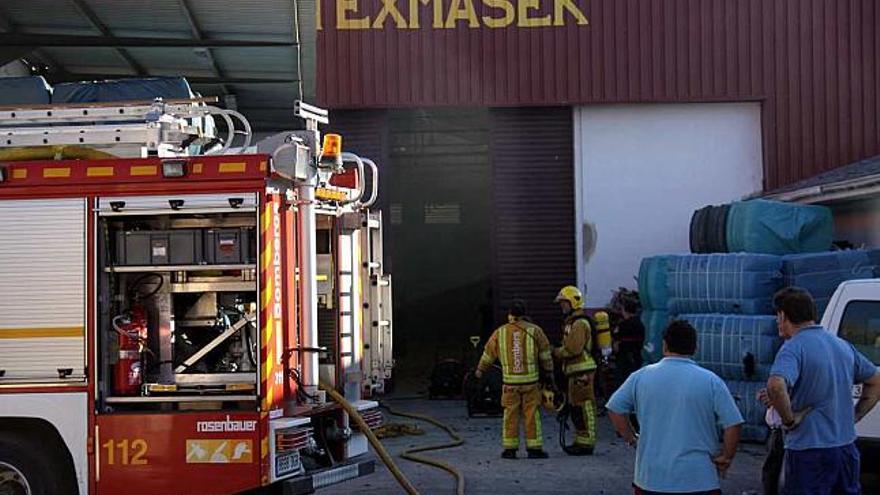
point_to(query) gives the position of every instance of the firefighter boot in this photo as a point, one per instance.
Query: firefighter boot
(578, 450)
(584, 420)
(537, 454)
(508, 454)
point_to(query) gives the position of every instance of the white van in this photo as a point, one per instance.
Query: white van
(854, 314)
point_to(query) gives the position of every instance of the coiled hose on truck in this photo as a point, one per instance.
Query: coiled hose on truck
(409, 454)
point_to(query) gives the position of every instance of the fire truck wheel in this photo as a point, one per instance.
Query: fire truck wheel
(26, 469)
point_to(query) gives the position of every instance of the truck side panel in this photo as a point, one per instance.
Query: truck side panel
(67, 412)
(179, 453)
(291, 326)
(272, 298)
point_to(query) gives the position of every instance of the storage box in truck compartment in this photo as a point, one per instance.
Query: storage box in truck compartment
(230, 246)
(159, 247)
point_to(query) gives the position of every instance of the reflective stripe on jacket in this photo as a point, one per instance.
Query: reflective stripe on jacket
(522, 348)
(576, 345)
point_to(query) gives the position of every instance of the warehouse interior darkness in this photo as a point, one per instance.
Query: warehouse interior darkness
(458, 240)
(439, 221)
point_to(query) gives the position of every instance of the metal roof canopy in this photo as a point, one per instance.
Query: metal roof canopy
(258, 57)
(855, 181)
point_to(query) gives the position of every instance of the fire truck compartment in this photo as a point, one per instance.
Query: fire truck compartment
(159, 247)
(178, 306)
(230, 246)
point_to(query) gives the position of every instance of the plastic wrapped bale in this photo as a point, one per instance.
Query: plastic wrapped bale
(745, 394)
(33, 90)
(653, 291)
(874, 261)
(822, 273)
(755, 433)
(655, 324)
(736, 347)
(135, 89)
(774, 227)
(723, 283)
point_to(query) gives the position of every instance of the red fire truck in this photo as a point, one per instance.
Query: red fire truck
(172, 295)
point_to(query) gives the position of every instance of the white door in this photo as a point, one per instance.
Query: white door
(642, 170)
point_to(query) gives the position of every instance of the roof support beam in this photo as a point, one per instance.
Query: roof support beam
(89, 14)
(11, 27)
(191, 79)
(241, 80)
(66, 40)
(8, 55)
(11, 54)
(197, 34)
(5, 23)
(297, 37)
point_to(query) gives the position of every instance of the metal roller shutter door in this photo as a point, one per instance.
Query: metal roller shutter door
(533, 200)
(42, 282)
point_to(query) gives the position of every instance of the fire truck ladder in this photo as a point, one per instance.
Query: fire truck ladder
(378, 348)
(160, 127)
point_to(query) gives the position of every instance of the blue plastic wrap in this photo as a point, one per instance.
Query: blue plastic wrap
(723, 283)
(32, 90)
(774, 227)
(122, 90)
(874, 259)
(725, 341)
(655, 324)
(653, 290)
(745, 394)
(821, 273)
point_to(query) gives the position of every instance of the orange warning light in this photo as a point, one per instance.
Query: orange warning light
(331, 154)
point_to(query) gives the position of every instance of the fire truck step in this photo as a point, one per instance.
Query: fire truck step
(312, 482)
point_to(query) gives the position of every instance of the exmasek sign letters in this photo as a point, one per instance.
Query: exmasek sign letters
(450, 14)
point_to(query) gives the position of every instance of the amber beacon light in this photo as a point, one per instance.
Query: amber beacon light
(331, 153)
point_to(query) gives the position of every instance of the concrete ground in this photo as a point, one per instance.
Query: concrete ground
(608, 472)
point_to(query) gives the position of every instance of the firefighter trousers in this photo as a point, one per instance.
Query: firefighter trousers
(582, 399)
(521, 401)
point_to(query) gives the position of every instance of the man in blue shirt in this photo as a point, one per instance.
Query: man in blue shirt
(681, 407)
(819, 369)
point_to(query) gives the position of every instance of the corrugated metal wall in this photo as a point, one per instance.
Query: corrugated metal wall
(813, 64)
(533, 229)
(363, 133)
(366, 134)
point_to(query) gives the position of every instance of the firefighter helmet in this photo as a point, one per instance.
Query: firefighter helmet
(571, 294)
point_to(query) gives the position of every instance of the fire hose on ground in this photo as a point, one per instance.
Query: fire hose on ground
(410, 454)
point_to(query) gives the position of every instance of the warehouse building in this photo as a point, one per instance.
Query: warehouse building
(534, 144)
(527, 144)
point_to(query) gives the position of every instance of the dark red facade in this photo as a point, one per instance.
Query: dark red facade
(812, 63)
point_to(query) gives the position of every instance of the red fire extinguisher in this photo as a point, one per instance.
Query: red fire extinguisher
(132, 333)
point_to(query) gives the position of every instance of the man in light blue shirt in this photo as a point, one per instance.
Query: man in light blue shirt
(681, 408)
(819, 369)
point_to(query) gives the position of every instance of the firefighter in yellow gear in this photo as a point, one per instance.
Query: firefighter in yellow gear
(526, 363)
(578, 355)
